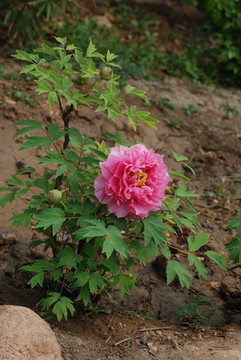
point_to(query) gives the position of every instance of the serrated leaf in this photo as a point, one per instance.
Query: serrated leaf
(200, 240)
(28, 68)
(43, 86)
(90, 231)
(61, 169)
(7, 198)
(126, 284)
(114, 241)
(93, 285)
(182, 191)
(50, 300)
(62, 41)
(82, 279)
(19, 219)
(202, 271)
(37, 279)
(33, 141)
(60, 310)
(129, 89)
(217, 258)
(78, 55)
(178, 174)
(155, 228)
(52, 98)
(175, 268)
(84, 295)
(22, 55)
(234, 223)
(110, 264)
(50, 217)
(91, 49)
(45, 50)
(67, 257)
(26, 170)
(54, 132)
(110, 56)
(179, 158)
(234, 247)
(31, 125)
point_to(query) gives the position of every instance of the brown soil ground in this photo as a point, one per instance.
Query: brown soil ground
(143, 325)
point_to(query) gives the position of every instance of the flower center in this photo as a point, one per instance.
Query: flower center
(141, 178)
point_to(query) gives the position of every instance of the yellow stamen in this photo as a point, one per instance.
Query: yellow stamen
(141, 177)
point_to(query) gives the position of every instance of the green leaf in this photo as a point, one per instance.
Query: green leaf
(33, 141)
(91, 49)
(7, 198)
(52, 98)
(61, 169)
(126, 284)
(71, 47)
(110, 56)
(129, 89)
(178, 174)
(181, 191)
(62, 41)
(56, 274)
(111, 265)
(19, 219)
(67, 257)
(54, 132)
(22, 55)
(179, 158)
(53, 297)
(140, 250)
(50, 217)
(217, 258)
(175, 268)
(26, 170)
(155, 228)
(200, 240)
(37, 279)
(235, 249)
(45, 50)
(15, 181)
(234, 223)
(93, 285)
(60, 310)
(78, 55)
(113, 241)
(31, 125)
(202, 271)
(43, 86)
(82, 279)
(90, 231)
(84, 294)
(28, 68)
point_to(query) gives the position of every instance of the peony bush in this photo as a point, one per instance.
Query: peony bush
(104, 208)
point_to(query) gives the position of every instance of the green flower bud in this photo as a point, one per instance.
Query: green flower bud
(55, 196)
(106, 73)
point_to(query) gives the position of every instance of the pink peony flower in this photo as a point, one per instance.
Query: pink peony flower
(133, 181)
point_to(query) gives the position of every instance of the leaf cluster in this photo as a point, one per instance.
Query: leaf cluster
(234, 246)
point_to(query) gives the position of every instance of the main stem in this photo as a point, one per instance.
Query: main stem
(65, 113)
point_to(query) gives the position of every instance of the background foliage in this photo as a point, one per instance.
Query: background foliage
(213, 57)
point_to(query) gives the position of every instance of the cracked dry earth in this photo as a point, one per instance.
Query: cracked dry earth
(210, 138)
